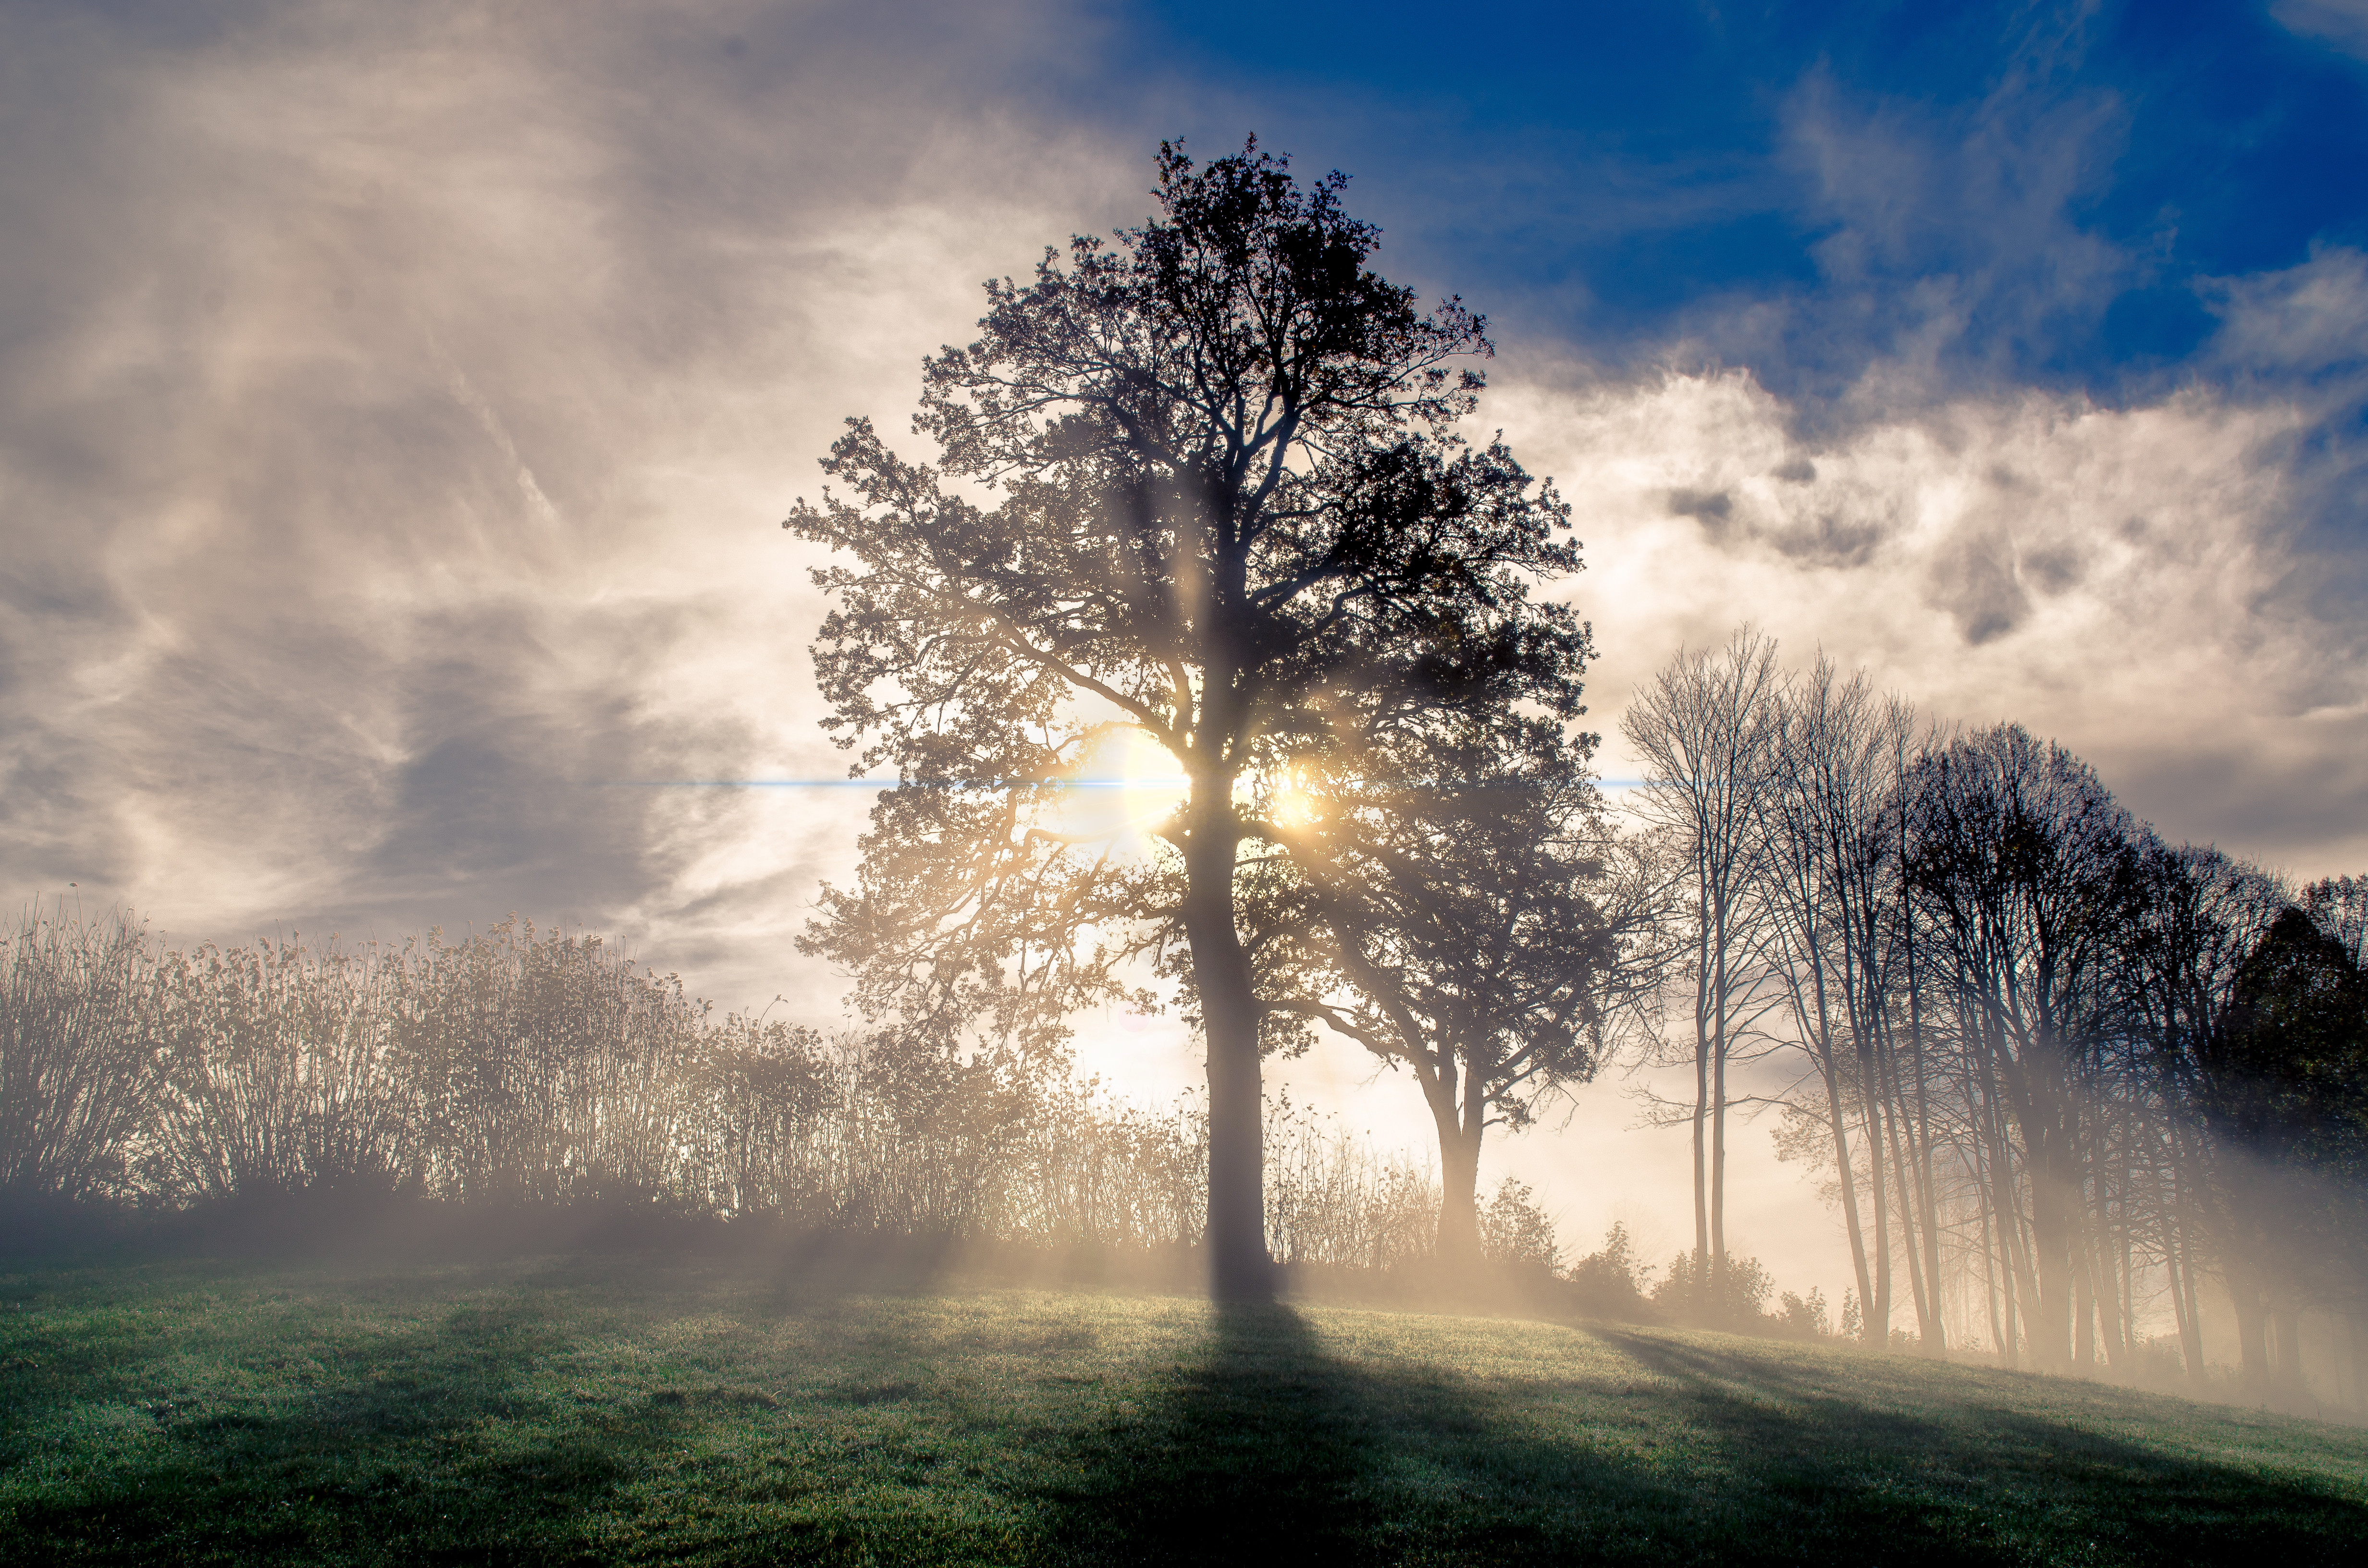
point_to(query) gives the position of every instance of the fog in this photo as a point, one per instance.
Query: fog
(400, 407)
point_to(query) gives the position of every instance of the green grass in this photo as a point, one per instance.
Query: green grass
(604, 1411)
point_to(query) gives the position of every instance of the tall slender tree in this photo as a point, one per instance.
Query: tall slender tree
(1231, 511)
(1831, 862)
(1703, 727)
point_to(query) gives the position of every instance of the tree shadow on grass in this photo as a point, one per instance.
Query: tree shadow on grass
(1826, 1460)
(467, 1439)
(1256, 1449)
(1268, 1446)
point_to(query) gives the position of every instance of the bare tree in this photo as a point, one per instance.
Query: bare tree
(2200, 913)
(2339, 906)
(1833, 863)
(2026, 867)
(1703, 728)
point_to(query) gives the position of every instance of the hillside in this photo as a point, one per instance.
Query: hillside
(590, 1409)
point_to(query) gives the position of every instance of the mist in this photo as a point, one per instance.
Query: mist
(401, 410)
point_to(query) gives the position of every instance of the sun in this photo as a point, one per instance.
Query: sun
(1126, 783)
(1293, 807)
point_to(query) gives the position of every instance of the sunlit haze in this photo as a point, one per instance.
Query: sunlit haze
(401, 403)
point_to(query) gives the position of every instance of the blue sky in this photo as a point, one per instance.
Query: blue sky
(2078, 192)
(398, 404)
(1618, 173)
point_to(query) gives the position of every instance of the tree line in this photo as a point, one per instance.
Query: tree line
(2058, 1069)
(518, 1069)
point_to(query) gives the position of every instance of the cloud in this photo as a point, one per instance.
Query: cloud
(2342, 23)
(397, 408)
(1950, 253)
(397, 404)
(2297, 322)
(2125, 579)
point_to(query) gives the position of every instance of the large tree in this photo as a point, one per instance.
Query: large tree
(1211, 503)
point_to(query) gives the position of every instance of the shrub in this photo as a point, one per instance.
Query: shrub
(1611, 1283)
(1803, 1319)
(79, 1044)
(1730, 1296)
(1515, 1233)
(526, 1070)
(1331, 1202)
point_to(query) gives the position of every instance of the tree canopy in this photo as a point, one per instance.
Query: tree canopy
(1451, 878)
(1201, 492)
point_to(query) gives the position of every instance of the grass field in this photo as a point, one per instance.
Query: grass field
(580, 1410)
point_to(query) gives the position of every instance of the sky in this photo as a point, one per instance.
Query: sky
(398, 405)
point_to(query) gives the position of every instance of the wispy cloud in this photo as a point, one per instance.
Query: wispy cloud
(399, 408)
(2342, 23)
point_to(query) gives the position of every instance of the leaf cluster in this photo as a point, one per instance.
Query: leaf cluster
(1201, 485)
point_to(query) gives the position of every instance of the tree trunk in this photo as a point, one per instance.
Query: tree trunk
(2252, 1341)
(2359, 1363)
(1878, 1317)
(1928, 1194)
(1702, 994)
(2053, 1215)
(1927, 1305)
(2107, 1288)
(1715, 1280)
(1239, 1268)
(2013, 1319)
(2187, 1336)
(2084, 1319)
(1903, 1169)
(1458, 1190)
(2286, 1324)
(1842, 1168)
(2022, 1314)
(2126, 1278)
(1989, 1274)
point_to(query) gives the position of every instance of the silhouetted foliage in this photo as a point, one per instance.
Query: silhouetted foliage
(2281, 1086)
(1237, 524)
(1613, 1282)
(1456, 934)
(1728, 1295)
(1515, 1233)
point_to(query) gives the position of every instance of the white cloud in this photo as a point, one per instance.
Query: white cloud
(2342, 23)
(400, 409)
(2119, 578)
(2298, 322)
